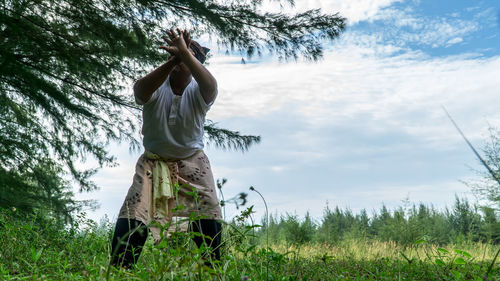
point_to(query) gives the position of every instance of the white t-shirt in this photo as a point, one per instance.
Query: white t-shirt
(173, 125)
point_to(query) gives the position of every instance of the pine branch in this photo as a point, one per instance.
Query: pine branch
(227, 139)
(490, 170)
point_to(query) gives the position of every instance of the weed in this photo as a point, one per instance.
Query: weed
(38, 248)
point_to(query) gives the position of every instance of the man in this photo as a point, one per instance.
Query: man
(173, 177)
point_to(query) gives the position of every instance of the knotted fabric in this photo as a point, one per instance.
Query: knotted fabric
(163, 184)
(155, 206)
(200, 52)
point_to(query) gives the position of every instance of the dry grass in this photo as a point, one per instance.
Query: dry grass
(373, 250)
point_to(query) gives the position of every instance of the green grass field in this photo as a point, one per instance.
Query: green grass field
(34, 248)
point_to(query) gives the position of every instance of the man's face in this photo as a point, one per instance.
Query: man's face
(181, 69)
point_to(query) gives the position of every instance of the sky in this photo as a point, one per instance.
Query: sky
(364, 126)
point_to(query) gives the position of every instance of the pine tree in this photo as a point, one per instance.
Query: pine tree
(64, 67)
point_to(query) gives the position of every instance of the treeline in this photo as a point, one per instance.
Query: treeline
(462, 222)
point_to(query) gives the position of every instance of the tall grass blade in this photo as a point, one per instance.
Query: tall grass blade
(472, 147)
(267, 228)
(492, 263)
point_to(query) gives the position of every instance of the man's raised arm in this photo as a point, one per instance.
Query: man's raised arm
(145, 87)
(206, 81)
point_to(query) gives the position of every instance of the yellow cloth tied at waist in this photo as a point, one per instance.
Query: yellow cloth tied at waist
(163, 187)
(162, 183)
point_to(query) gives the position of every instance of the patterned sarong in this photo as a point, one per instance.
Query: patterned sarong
(194, 193)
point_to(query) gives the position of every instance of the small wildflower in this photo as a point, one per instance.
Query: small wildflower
(221, 183)
(243, 197)
(14, 209)
(245, 278)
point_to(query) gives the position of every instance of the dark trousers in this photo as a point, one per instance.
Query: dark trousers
(130, 235)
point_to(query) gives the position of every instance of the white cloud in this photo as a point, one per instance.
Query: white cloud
(454, 41)
(404, 91)
(278, 168)
(405, 27)
(354, 11)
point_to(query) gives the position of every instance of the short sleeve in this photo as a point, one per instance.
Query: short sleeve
(198, 99)
(153, 97)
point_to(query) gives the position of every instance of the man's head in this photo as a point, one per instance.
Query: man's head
(181, 71)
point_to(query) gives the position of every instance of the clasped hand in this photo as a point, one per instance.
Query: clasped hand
(178, 44)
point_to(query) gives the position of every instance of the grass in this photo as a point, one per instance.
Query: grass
(36, 248)
(374, 249)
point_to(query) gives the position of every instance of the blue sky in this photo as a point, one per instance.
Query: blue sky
(362, 127)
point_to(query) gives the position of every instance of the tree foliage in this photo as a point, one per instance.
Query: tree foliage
(227, 139)
(488, 186)
(405, 225)
(65, 67)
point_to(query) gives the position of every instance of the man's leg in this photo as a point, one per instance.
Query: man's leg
(212, 229)
(128, 240)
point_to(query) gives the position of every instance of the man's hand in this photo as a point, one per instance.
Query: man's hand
(178, 44)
